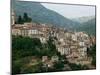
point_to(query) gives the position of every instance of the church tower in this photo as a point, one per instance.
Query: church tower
(12, 17)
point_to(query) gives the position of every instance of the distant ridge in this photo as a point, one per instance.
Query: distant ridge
(89, 27)
(83, 19)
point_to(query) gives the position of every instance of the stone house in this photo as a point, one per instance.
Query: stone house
(16, 32)
(44, 58)
(64, 50)
(43, 39)
(54, 58)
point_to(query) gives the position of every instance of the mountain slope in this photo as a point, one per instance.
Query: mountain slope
(83, 19)
(39, 13)
(89, 27)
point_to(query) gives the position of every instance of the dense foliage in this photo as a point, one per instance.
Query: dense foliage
(92, 53)
(78, 66)
(89, 27)
(25, 18)
(23, 47)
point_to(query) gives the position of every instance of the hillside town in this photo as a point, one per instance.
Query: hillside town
(72, 44)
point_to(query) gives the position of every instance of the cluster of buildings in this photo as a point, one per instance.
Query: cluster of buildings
(71, 44)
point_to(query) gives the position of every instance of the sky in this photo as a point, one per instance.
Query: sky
(71, 11)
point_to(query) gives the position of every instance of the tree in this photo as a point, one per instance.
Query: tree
(92, 53)
(25, 46)
(20, 20)
(26, 18)
(23, 19)
(58, 65)
(16, 67)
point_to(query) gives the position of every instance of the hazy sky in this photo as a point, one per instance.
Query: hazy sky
(71, 11)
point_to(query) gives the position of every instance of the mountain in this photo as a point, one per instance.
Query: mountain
(89, 27)
(83, 19)
(39, 13)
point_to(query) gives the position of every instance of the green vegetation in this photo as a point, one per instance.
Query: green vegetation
(58, 66)
(92, 53)
(23, 19)
(23, 47)
(20, 20)
(78, 67)
(26, 18)
(26, 65)
(88, 27)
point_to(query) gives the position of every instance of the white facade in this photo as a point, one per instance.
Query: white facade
(43, 40)
(16, 32)
(64, 51)
(54, 58)
(24, 32)
(83, 51)
(74, 37)
(33, 31)
(61, 40)
(81, 43)
(44, 58)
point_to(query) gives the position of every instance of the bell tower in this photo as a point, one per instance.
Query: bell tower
(12, 17)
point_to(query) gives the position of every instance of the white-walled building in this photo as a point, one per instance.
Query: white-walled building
(16, 32)
(64, 50)
(35, 33)
(81, 44)
(54, 58)
(44, 58)
(83, 52)
(43, 40)
(74, 37)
